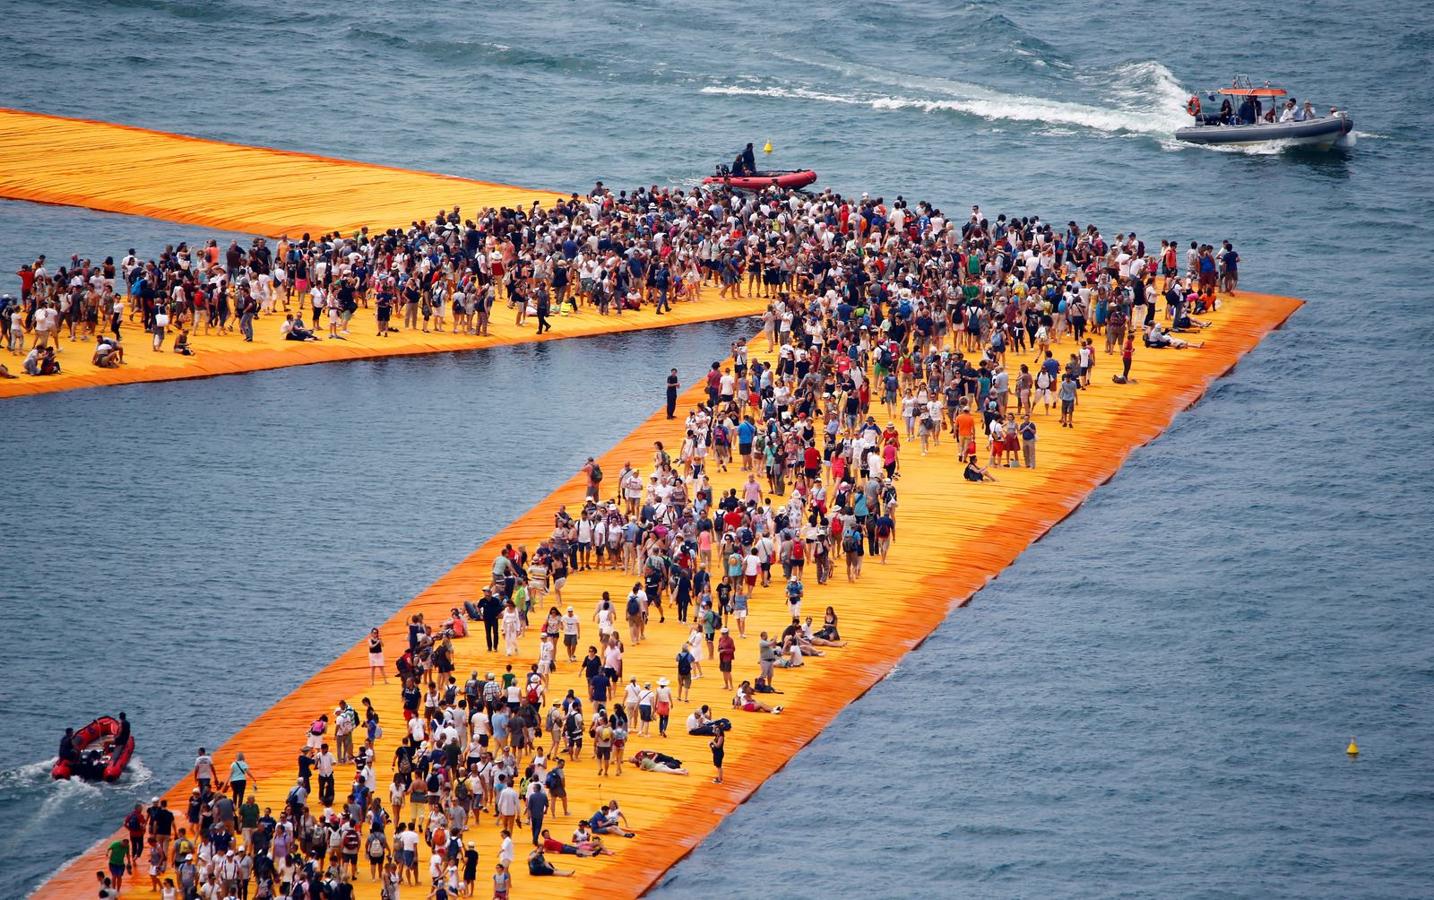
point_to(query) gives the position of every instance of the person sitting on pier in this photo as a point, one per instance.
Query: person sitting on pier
(108, 353)
(748, 703)
(1158, 338)
(293, 329)
(976, 473)
(701, 724)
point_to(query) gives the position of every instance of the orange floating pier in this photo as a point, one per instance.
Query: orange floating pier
(952, 538)
(257, 190)
(229, 355)
(124, 169)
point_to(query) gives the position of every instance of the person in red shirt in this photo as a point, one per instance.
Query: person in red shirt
(811, 462)
(27, 281)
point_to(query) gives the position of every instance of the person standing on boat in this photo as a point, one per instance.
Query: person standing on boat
(68, 753)
(746, 162)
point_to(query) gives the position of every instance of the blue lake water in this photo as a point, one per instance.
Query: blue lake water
(1153, 701)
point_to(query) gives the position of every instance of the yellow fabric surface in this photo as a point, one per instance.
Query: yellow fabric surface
(125, 169)
(217, 354)
(952, 537)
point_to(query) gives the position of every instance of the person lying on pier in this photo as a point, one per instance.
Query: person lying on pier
(1158, 338)
(652, 761)
(582, 849)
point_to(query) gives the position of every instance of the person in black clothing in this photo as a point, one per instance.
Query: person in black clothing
(543, 305)
(68, 752)
(746, 162)
(672, 386)
(306, 768)
(123, 737)
(491, 608)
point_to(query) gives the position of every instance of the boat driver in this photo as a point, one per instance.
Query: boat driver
(745, 163)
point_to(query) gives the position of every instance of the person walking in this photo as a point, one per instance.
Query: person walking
(542, 304)
(537, 809)
(672, 386)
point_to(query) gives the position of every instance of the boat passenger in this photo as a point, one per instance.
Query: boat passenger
(68, 753)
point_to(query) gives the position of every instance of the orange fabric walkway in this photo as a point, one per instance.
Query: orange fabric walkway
(125, 169)
(228, 354)
(952, 538)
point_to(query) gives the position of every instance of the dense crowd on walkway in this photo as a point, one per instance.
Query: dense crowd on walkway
(891, 329)
(605, 254)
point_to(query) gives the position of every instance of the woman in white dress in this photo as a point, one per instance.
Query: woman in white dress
(512, 628)
(695, 644)
(375, 657)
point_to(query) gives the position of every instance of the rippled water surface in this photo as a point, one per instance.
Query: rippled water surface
(1153, 701)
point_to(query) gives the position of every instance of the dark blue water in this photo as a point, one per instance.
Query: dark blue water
(1153, 701)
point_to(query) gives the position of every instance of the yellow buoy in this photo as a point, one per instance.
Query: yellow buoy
(1352, 749)
(767, 147)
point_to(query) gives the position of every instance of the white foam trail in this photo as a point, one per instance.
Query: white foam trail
(1007, 107)
(136, 773)
(786, 93)
(28, 774)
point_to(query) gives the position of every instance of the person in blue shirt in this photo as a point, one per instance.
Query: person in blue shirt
(1231, 276)
(746, 432)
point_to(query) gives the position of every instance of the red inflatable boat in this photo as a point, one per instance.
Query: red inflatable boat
(789, 179)
(99, 758)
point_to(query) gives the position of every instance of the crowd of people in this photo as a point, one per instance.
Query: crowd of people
(605, 253)
(892, 328)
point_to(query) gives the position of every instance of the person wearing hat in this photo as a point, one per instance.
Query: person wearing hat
(662, 706)
(572, 630)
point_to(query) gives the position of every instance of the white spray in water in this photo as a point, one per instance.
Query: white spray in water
(1144, 97)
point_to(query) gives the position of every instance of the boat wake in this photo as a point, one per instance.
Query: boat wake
(1143, 98)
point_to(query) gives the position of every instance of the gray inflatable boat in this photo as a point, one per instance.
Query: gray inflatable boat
(1321, 132)
(1249, 115)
